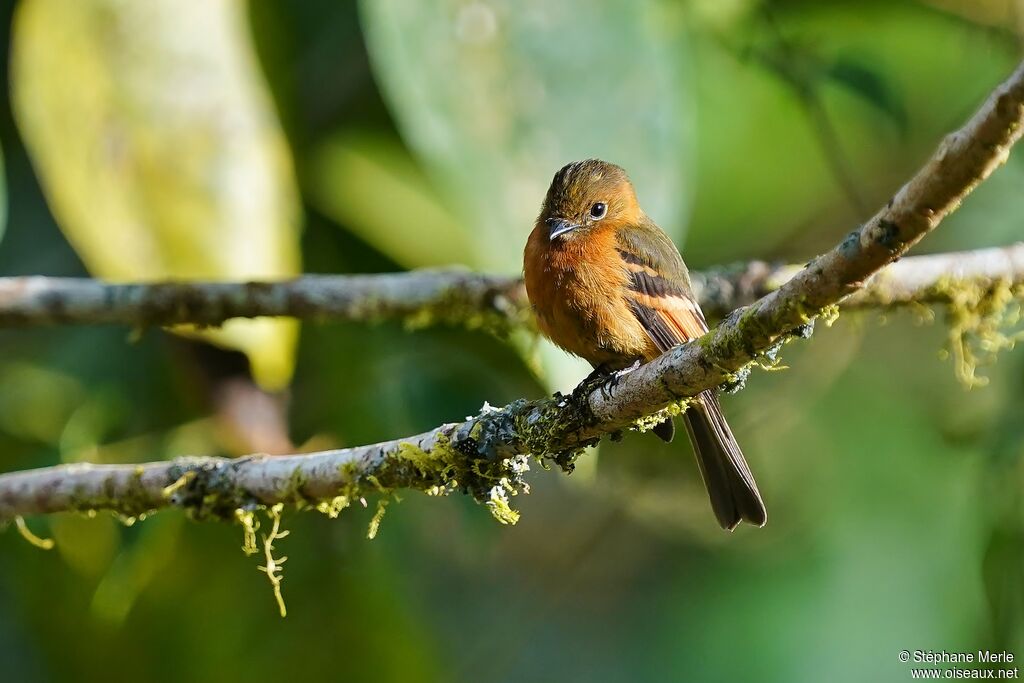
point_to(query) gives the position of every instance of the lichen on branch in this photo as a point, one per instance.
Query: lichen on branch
(983, 320)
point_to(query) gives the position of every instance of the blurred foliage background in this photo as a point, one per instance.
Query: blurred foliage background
(224, 139)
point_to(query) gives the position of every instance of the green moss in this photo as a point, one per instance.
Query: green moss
(649, 422)
(474, 458)
(349, 471)
(26, 533)
(984, 318)
(134, 501)
(382, 506)
(127, 503)
(498, 504)
(333, 507)
(273, 565)
(829, 315)
(751, 332)
(250, 523)
(540, 424)
(441, 470)
(501, 318)
(293, 493)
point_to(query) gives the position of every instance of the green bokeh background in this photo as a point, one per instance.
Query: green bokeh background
(423, 133)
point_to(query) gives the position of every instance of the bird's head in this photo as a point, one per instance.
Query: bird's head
(584, 195)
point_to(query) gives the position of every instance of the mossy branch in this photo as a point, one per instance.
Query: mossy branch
(427, 297)
(486, 455)
(420, 298)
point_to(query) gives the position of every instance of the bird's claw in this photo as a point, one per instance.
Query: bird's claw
(604, 380)
(617, 377)
(594, 380)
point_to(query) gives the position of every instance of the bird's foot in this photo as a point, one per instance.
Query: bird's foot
(616, 377)
(594, 380)
(604, 380)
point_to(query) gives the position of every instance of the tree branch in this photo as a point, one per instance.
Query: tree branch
(486, 455)
(419, 296)
(913, 280)
(423, 297)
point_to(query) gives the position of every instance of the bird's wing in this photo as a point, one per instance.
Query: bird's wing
(658, 289)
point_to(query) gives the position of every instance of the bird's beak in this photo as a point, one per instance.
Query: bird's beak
(559, 226)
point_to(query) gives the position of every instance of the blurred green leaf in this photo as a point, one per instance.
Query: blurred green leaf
(159, 152)
(135, 567)
(3, 196)
(1003, 573)
(496, 96)
(719, 15)
(763, 177)
(871, 85)
(36, 402)
(369, 184)
(86, 544)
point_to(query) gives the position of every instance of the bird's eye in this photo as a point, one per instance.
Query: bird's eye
(598, 211)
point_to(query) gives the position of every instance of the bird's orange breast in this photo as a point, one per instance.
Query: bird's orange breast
(577, 287)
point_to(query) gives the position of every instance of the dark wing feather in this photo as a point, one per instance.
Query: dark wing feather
(659, 330)
(648, 245)
(661, 298)
(659, 287)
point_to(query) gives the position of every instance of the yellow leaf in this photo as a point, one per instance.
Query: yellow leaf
(159, 151)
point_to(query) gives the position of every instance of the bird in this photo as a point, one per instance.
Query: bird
(608, 285)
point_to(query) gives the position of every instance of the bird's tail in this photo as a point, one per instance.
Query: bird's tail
(734, 495)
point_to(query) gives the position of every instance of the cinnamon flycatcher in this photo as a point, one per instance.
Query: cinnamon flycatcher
(608, 285)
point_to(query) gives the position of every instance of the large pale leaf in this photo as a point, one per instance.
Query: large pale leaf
(157, 146)
(495, 96)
